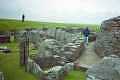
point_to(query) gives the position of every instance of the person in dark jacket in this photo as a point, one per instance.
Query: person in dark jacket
(23, 17)
(86, 33)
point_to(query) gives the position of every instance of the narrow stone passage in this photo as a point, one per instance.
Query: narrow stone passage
(89, 57)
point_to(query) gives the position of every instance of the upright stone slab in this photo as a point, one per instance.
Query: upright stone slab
(24, 50)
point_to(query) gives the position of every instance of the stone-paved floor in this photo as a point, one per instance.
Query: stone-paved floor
(89, 57)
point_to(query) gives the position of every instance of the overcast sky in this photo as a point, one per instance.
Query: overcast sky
(72, 11)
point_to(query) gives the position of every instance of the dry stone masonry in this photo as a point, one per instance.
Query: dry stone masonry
(107, 69)
(57, 49)
(107, 46)
(108, 40)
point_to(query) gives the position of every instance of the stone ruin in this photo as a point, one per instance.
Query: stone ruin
(54, 73)
(107, 46)
(57, 56)
(57, 51)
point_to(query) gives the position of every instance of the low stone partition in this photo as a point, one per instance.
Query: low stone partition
(55, 55)
(58, 72)
(54, 73)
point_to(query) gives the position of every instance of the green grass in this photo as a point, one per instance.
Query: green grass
(9, 65)
(76, 75)
(11, 24)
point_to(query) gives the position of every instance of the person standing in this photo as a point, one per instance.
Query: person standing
(23, 18)
(86, 33)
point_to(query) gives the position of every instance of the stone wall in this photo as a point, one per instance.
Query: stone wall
(54, 73)
(107, 46)
(107, 69)
(108, 40)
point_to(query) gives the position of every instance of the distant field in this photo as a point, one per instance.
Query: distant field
(10, 24)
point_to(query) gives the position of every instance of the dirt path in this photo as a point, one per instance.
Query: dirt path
(89, 56)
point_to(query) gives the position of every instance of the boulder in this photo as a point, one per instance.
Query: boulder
(49, 47)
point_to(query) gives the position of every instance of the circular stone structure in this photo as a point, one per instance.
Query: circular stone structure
(108, 46)
(108, 40)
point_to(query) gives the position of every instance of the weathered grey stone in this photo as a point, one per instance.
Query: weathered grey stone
(34, 68)
(68, 67)
(55, 73)
(108, 46)
(49, 47)
(107, 69)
